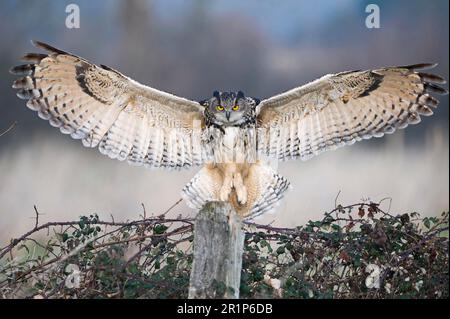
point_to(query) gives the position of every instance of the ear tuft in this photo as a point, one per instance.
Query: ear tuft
(216, 94)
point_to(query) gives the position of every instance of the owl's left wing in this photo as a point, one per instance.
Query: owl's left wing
(340, 109)
(123, 118)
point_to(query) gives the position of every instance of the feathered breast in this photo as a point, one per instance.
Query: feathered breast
(230, 145)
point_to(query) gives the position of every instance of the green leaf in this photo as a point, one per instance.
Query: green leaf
(159, 229)
(82, 222)
(427, 222)
(280, 250)
(336, 227)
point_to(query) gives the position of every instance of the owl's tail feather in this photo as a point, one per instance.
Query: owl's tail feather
(204, 187)
(264, 186)
(270, 189)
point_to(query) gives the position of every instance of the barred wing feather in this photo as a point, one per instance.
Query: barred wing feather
(340, 109)
(105, 109)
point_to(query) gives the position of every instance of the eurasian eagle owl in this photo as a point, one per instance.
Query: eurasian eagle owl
(231, 135)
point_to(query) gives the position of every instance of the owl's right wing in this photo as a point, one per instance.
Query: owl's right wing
(340, 109)
(105, 109)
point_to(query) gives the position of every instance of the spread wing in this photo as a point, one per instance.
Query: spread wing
(340, 109)
(105, 109)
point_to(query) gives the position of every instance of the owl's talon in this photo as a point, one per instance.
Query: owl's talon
(242, 196)
(223, 197)
(224, 193)
(241, 190)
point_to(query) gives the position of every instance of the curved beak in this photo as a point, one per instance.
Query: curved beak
(227, 114)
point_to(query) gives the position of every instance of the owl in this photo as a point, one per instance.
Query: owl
(235, 138)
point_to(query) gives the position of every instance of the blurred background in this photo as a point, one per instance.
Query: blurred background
(191, 48)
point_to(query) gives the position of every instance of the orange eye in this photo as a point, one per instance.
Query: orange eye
(236, 108)
(219, 108)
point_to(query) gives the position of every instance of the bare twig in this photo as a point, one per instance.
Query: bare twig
(149, 221)
(390, 203)
(13, 125)
(144, 211)
(170, 208)
(336, 199)
(37, 217)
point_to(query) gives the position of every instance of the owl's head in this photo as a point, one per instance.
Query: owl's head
(229, 108)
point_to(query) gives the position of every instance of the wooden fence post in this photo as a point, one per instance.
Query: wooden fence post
(218, 249)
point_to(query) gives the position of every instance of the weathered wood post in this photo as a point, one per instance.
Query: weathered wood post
(218, 248)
